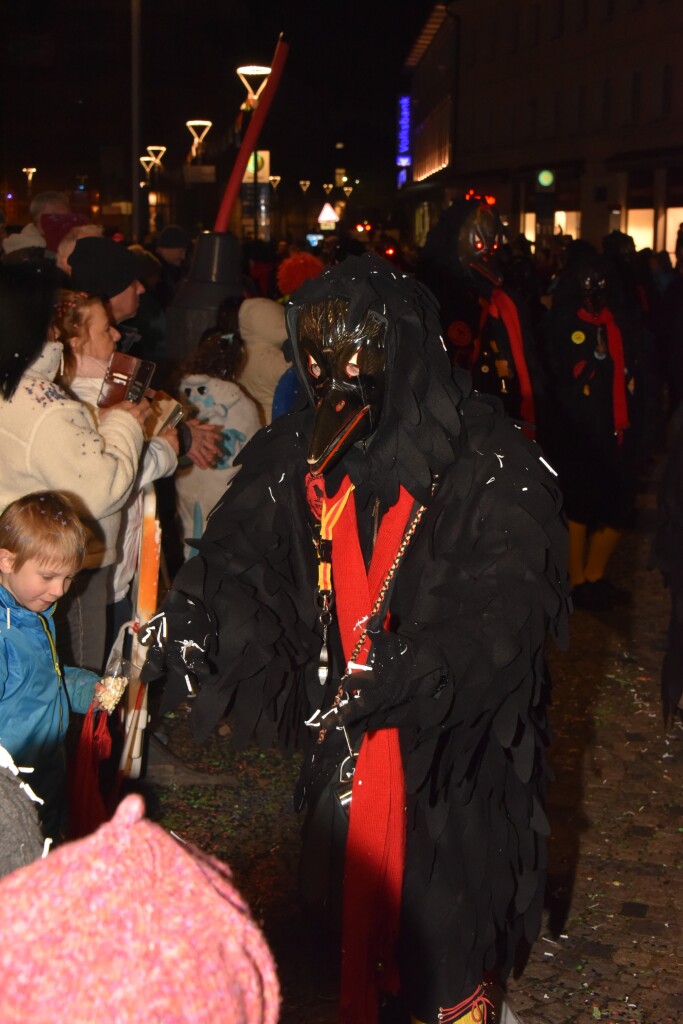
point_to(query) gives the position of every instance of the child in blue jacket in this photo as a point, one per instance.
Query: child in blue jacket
(42, 545)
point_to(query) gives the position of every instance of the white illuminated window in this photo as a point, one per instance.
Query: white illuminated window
(640, 225)
(528, 226)
(569, 222)
(674, 219)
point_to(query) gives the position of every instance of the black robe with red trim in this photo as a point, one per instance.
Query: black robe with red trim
(480, 585)
(598, 470)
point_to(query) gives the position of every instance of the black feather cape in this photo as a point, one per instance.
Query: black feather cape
(482, 582)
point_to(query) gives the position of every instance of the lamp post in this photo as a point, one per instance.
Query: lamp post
(29, 172)
(199, 130)
(147, 162)
(250, 139)
(247, 71)
(260, 73)
(153, 198)
(157, 154)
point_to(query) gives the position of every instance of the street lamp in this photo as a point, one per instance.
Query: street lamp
(199, 130)
(275, 180)
(253, 71)
(328, 188)
(245, 72)
(147, 162)
(29, 172)
(304, 185)
(156, 153)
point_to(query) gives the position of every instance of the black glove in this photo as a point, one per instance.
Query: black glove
(177, 638)
(404, 673)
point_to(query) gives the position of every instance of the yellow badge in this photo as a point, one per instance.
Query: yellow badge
(578, 337)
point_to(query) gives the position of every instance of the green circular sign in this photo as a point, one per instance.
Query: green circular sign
(545, 178)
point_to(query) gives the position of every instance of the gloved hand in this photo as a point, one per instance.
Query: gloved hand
(177, 639)
(403, 671)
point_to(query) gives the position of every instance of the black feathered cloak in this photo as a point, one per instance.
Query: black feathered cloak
(483, 579)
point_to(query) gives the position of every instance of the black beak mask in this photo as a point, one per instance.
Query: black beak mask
(344, 368)
(479, 248)
(593, 291)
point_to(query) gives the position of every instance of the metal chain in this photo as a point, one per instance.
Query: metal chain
(376, 607)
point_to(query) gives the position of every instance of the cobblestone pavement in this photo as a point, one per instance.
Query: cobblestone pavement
(611, 946)
(610, 949)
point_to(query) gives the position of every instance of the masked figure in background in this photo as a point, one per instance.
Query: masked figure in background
(376, 587)
(504, 360)
(601, 383)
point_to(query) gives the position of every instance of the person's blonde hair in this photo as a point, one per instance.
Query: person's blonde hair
(70, 320)
(43, 526)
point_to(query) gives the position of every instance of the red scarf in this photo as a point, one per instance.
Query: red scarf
(501, 305)
(615, 347)
(373, 873)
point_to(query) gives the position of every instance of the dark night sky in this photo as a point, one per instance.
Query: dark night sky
(340, 82)
(65, 82)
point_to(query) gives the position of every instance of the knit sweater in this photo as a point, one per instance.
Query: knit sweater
(51, 442)
(119, 538)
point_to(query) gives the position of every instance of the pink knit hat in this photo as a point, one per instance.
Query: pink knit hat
(128, 925)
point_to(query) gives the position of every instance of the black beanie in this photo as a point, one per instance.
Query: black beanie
(102, 267)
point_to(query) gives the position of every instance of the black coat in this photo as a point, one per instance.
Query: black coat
(483, 579)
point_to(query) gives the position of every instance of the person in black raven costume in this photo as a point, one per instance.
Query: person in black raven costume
(432, 665)
(601, 385)
(487, 322)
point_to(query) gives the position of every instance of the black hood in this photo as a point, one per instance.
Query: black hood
(419, 430)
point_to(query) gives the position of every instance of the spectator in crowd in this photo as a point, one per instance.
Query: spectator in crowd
(262, 328)
(89, 338)
(171, 249)
(208, 389)
(293, 271)
(149, 321)
(108, 270)
(42, 546)
(50, 440)
(32, 235)
(130, 924)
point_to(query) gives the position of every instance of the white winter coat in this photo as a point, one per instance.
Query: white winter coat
(49, 441)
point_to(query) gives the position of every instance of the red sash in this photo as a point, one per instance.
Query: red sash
(615, 347)
(501, 305)
(373, 873)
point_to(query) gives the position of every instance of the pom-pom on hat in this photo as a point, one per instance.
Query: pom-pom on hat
(130, 925)
(297, 268)
(102, 267)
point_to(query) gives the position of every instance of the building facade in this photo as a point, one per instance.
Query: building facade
(569, 112)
